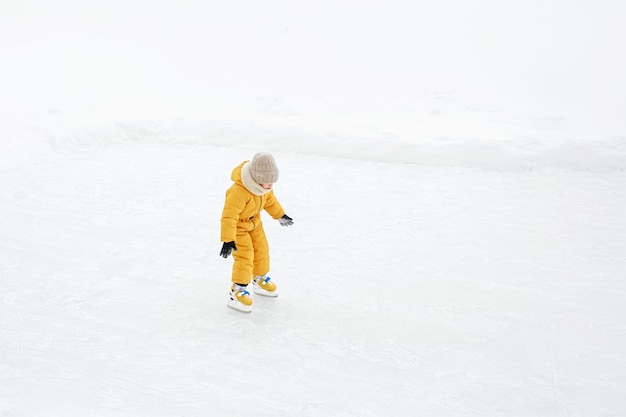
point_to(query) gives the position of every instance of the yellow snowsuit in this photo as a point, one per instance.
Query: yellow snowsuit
(241, 223)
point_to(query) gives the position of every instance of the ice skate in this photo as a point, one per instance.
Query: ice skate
(240, 299)
(263, 285)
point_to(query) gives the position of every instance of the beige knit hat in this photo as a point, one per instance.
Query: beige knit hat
(263, 168)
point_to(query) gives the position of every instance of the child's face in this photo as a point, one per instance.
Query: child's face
(267, 186)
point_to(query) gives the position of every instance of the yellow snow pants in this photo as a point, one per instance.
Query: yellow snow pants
(253, 253)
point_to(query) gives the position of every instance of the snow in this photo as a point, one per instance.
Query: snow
(455, 171)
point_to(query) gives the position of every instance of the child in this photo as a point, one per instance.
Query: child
(242, 230)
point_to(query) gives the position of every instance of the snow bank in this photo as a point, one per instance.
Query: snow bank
(435, 132)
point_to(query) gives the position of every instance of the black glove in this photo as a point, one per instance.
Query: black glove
(285, 221)
(227, 248)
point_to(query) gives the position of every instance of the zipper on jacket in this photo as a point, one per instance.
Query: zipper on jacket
(258, 213)
(261, 205)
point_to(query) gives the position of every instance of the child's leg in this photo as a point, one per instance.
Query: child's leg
(243, 256)
(261, 263)
(263, 285)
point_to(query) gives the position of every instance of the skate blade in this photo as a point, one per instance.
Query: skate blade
(260, 291)
(236, 305)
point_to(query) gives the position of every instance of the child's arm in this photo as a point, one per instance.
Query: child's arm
(275, 210)
(273, 207)
(233, 207)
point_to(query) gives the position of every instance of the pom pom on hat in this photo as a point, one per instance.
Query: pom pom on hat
(263, 168)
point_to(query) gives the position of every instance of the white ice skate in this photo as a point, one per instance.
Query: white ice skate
(263, 285)
(240, 299)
